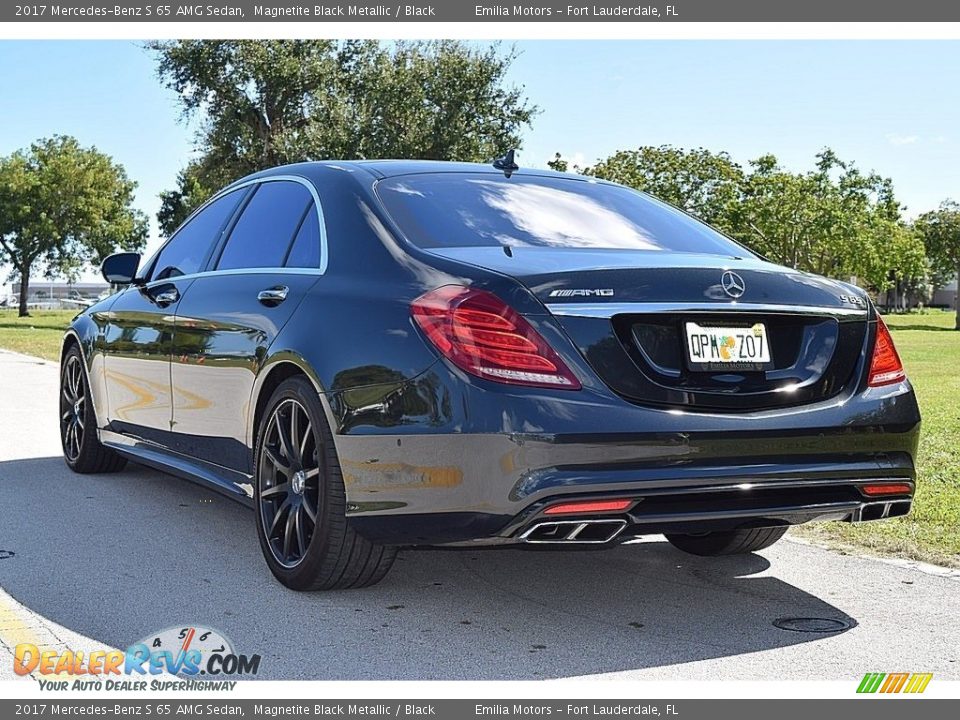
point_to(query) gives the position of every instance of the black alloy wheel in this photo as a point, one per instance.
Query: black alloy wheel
(73, 401)
(290, 475)
(301, 503)
(82, 449)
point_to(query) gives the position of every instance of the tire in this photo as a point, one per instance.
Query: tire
(296, 466)
(732, 542)
(82, 450)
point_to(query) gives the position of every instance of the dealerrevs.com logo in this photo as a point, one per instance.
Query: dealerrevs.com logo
(888, 683)
(190, 653)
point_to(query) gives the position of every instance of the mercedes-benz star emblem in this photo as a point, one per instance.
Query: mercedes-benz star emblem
(732, 284)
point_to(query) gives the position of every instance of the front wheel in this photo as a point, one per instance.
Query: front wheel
(82, 449)
(301, 501)
(731, 542)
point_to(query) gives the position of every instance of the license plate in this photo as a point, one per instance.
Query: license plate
(727, 348)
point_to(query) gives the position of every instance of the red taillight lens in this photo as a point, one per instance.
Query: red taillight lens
(481, 334)
(885, 368)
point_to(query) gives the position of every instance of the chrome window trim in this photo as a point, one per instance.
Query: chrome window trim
(238, 271)
(607, 310)
(239, 186)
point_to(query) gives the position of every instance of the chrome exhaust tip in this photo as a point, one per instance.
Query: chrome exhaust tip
(871, 511)
(584, 532)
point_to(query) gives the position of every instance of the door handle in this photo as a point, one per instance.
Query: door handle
(274, 295)
(166, 297)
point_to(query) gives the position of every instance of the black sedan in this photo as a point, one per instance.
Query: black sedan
(380, 354)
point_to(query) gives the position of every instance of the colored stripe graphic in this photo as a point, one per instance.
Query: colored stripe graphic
(871, 682)
(918, 682)
(894, 683)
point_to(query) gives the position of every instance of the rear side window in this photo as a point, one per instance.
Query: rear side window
(305, 252)
(262, 235)
(189, 247)
(448, 210)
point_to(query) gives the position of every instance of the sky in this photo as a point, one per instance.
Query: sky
(888, 106)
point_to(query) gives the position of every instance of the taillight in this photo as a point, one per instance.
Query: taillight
(885, 367)
(481, 334)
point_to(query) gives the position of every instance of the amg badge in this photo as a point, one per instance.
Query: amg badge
(582, 292)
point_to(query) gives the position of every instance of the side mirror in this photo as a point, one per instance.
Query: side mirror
(121, 268)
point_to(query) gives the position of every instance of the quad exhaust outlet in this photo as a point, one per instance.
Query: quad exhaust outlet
(597, 531)
(881, 510)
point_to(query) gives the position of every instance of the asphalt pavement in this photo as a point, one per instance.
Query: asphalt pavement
(108, 559)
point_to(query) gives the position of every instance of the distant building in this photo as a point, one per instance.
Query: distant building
(943, 297)
(946, 296)
(47, 290)
(46, 295)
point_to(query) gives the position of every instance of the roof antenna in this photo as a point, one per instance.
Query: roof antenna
(506, 163)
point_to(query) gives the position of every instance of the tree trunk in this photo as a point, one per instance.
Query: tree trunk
(24, 289)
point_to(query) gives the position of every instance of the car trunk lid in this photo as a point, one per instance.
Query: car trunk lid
(627, 312)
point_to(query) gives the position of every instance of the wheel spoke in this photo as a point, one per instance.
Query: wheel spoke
(311, 473)
(288, 534)
(307, 434)
(285, 444)
(278, 462)
(298, 526)
(74, 440)
(66, 415)
(281, 489)
(294, 444)
(277, 517)
(310, 510)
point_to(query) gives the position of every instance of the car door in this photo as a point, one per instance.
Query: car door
(139, 332)
(231, 314)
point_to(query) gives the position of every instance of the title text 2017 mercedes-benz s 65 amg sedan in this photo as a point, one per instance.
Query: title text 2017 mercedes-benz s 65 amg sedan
(379, 354)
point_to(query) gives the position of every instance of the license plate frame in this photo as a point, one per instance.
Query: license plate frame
(705, 345)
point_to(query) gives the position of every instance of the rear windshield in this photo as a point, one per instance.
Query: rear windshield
(446, 210)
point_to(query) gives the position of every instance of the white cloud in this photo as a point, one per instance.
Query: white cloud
(898, 139)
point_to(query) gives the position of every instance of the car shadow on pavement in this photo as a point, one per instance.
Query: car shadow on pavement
(116, 557)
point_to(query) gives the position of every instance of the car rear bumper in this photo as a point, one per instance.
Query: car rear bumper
(684, 472)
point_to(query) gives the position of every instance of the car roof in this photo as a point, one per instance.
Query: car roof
(392, 168)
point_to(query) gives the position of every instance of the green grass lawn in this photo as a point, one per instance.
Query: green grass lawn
(931, 352)
(40, 334)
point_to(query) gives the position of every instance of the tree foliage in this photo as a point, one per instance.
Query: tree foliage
(833, 220)
(940, 230)
(62, 206)
(265, 103)
(697, 181)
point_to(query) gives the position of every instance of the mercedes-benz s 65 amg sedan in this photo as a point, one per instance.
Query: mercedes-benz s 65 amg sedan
(380, 354)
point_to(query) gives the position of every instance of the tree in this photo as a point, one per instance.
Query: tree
(558, 163)
(833, 221)
(266, 103)
(940, 230)
(176, 205)
(698, 181)
(61, 206)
